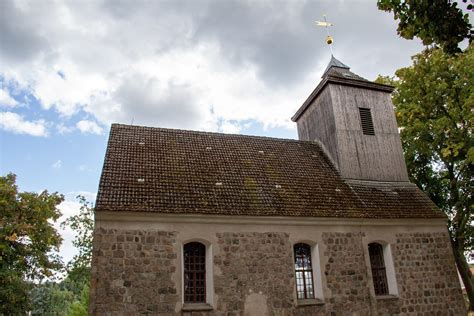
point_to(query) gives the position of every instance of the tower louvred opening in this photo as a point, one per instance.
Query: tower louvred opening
(366, 121)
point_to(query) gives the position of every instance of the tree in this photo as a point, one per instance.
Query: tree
(80, 307)
(63, 298)
(438, 22)
(71, 295)
(27, 242)
(83, 225)
(50, 298)
(79, 269)
(434, 101)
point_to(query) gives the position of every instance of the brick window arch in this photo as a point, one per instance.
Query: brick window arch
(379, 273)
(303, 271)
(194, 272)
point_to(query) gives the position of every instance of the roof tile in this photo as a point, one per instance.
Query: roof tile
(186, 172)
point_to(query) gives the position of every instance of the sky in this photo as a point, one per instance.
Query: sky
(68, 69)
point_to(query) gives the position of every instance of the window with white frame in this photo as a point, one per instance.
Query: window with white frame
(303, 271)
(383, 272)
(309, 284)
(377, 263)
(197, 276)
(194, 256)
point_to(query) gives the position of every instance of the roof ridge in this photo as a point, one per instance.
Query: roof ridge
(120, 125)
(392, 184)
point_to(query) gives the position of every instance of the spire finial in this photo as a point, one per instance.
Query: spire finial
(329, 39)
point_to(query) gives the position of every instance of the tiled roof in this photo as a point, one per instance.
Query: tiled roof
(186, 172)
(399, 198)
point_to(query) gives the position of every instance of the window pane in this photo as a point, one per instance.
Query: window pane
(379, 273)
(303, 271)
(194, 273)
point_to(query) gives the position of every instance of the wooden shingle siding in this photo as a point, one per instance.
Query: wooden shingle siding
(353, 120)
(378, 157)
(343, 77)
(318, 124)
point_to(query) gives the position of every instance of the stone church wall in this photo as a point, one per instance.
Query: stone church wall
(132, 272)
(428, 279)
(137, 270)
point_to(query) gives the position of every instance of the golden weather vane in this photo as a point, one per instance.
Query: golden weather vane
(326, 24)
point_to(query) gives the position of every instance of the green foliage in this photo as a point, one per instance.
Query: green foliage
(83, 225)
(76, 279)
(79, 269)
(27, 242)
(50, 299)
(434, 102)
(13, 292)
(58, 299)
(70, 296)
(80, 307)
(438, 22)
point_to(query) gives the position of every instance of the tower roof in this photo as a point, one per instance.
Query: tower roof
(335, 63)
(338, 73)
(336, 68)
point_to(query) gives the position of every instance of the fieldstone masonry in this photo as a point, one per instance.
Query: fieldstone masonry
(346, 273)
(254, 263)
(426, 275)
(133, 273)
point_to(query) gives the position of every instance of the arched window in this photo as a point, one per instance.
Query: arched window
(194, 273)
(379, 273)
(303, 271)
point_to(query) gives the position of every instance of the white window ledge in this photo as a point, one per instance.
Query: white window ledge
(196, 307)
(310, 302)
(386, 297)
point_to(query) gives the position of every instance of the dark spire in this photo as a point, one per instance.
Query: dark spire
(335, 63)
(338, 69)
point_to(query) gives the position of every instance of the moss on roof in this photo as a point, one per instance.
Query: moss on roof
(186, 172)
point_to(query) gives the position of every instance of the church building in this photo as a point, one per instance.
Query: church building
(198, 223)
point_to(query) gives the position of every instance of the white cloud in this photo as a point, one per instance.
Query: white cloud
(67, 208)
(63, 129)
(67, 95)
(72, 195)
(230, 128)
(91, 127)
(57, 164)
(195, 90)
(84, 168)
(189, 65)
(6, 100)
(15, 123)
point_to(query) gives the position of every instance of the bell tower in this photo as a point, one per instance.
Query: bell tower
(354, 122)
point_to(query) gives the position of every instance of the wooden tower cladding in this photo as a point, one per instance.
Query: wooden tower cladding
(354, 121)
